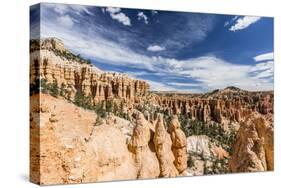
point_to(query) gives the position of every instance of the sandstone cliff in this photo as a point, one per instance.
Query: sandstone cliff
(51, 62)
(220, 106)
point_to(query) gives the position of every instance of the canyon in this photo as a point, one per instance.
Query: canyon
(88, 125)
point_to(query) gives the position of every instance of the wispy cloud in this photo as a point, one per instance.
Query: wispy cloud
(142, 16)
(202, 73)
(209, 71)
(155, 48)
(264, 57)
(153, 12)
(243, 22)
(65, 8)
(116, 14)
(65, 21)
(183, 84)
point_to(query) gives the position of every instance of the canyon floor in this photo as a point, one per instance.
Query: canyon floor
(87, 125)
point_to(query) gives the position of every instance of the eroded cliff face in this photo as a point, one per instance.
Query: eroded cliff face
(219, 108)
(253, 150)
(74, 148)
(51, 62)
(77, 147)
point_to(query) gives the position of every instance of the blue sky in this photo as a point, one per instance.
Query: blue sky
(173, 51)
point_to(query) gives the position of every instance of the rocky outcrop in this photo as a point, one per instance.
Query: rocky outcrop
(178, 144)
(163, 145)
(143, 149)
(72, 145)
(253, 149)
(47, 43)
(67, 146)
(72, 75)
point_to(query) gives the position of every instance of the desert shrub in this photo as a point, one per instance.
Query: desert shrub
(99, 109)
(219, 166)
(83, 101)
(190, 162)
(53, 88)
(109, 106)
(50, 88)
(98, 121)
(62, 89)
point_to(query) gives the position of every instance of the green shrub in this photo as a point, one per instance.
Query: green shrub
(53, 88)
(83, 101)
(99, 109)
(62, 89)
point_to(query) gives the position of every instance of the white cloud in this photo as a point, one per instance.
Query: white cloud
(62, 9)
(113, 10)
(158, 86)
(235, 18)
(209, 72)
(244, 22)
(116, 14)
(183, 84)
(155, 48)
(216, 73)
(226, 23)
(153, 12)
(142, 16)
(264, 57)
(65, 21)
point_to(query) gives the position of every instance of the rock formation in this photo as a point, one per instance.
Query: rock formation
(145, 158)
(67, 146)
(73, 75)
(52, 62)
(214, 108)
(253, 149)
(178, 144)
(163, 145)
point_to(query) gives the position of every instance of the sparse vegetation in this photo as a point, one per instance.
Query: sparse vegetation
(53, 87)
(211, 129)
(98, 121)
(50, 88)
(62, 89)
(218, 166)
(70, 56)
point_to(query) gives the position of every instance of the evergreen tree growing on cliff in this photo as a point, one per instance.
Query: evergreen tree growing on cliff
(53, 88)
(83, 101)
